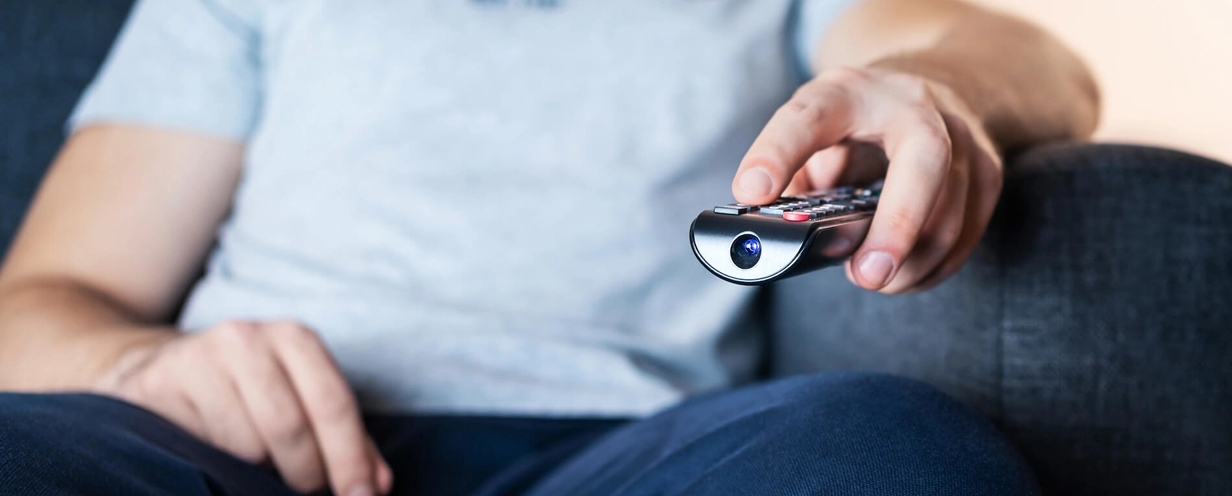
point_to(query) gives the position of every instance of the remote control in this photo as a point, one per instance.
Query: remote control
(752, 245)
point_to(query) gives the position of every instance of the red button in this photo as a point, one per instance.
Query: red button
(796, 216)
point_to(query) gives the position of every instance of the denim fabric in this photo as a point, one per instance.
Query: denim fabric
(839, 434)
(1094, 324)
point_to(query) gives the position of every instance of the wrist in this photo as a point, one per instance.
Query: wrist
(127, 353)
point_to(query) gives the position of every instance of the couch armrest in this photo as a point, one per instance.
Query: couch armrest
(1094, 323)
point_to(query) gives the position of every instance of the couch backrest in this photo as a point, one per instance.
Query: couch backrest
(1093, 324)
(49, 52)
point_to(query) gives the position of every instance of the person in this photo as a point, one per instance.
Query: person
(445, 246)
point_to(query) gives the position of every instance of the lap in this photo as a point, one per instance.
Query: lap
(64, 444)
(89, 444)
(843, 434)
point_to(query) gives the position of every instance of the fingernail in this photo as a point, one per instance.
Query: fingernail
(875, 267)
(756, 182)
(361, 490)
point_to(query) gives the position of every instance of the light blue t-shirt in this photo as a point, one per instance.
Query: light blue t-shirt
(482, 206)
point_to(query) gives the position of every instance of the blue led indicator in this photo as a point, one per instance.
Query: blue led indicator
(752, 247)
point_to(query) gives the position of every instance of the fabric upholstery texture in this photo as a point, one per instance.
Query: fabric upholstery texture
(1094, 323)
(49, 52)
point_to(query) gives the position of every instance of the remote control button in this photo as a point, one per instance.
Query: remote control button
(734, 209)
(777, 209)
(799, 216)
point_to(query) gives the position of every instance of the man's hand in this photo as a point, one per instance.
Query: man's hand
(941, 184)
(264, 392)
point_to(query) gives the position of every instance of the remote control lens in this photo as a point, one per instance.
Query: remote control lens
(746, 250)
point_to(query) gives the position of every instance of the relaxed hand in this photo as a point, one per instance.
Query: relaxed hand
(264, 392)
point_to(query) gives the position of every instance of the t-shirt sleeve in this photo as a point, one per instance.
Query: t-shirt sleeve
(186, 64)
(813, 20)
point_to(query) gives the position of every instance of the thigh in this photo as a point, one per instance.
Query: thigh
(65, 444)
(451, 455)
(840, 434)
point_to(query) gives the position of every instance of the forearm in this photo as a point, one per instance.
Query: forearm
(1023, 84)
(112, 240)
(58, 336)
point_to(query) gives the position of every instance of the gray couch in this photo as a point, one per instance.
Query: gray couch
(1094, 324)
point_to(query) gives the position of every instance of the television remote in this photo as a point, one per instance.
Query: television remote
(753, 245)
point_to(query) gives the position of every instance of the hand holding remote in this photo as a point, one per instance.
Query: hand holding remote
(942, 182)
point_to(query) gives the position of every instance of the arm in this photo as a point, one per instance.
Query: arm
(940, 87)
(1022, 84)
(111, 243)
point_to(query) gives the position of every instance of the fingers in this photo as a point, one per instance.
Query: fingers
(384, 474)
(984, 191)
(818, 116)
(825, 168)
(919, 151)
(274, 407)
(216, 397)
(331, 410)
(946, 222)
(262, 392)
(847, 163)
(799, 184)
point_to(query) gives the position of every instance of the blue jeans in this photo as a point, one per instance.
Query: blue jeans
(834, 434)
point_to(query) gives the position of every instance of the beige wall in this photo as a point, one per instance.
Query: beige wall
(1165, 66)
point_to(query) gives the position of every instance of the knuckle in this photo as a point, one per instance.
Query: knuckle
(847, 75)
(249, 450)
(948, 235)
(914, 88)
(234, 332)
(157, 385)
(806, 107)
(940, 146)
(289, 429)
(903, 224)
(956, 125)
(293, 332)
(336, 407)
(992, 181)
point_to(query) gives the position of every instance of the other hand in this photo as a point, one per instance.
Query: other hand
(264, 392)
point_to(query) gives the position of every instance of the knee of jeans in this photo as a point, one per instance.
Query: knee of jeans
(867, 388)
(874, 419)
(871, 402)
